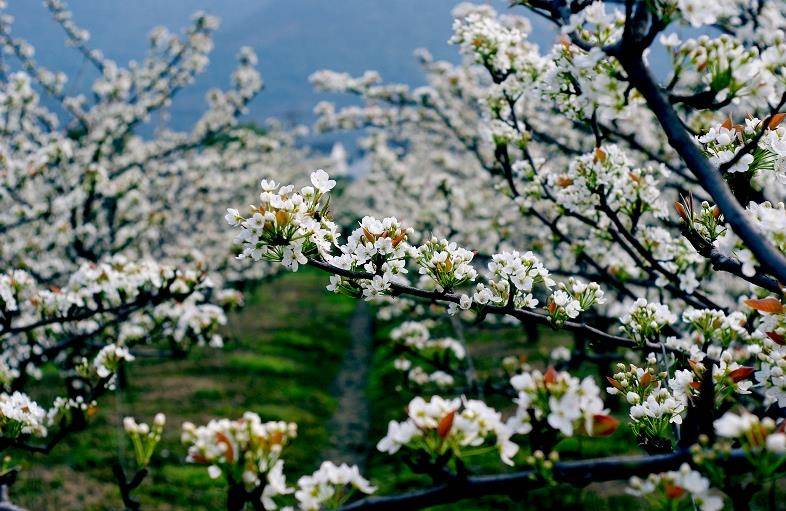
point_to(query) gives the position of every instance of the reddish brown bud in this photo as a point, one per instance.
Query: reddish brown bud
(229, 454)
(445, 423)
(770, 305)
(614, 383)
(198, 458)
(603, 425)
(741, 373)
(775, 120)
(778, 338)
(680, 209)
(673, 491)
(550, 376)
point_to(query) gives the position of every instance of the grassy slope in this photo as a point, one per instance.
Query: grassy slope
(282, 353)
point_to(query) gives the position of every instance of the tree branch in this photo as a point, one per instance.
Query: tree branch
(518, 483)
(709, 176)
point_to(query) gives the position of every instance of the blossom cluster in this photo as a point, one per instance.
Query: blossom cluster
(644, 320)
(330, 486)
(446, 263)
(713, 325)
(771, 375)
(677, 489)
(108, 360)
(582, 84)
(752, 432)
(294, 228)
(379, 247)
(243, 449)
(573, 298)
(249, 453)
(655, 402)
(722, 142)
(513, 277)
(502, 48)
(286, 225)
(20, 415)
(567, 404)
(594, 25)
(608, 172)
(724, 65)
(438, 426)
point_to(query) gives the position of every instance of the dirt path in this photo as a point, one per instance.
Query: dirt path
(350, 423)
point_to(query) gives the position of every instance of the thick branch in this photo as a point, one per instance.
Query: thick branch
(729, 264)
(518, 483)
(709, 177)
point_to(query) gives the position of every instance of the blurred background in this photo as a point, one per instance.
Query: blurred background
(293, 38)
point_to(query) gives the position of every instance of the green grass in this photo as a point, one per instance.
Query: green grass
(281, 355)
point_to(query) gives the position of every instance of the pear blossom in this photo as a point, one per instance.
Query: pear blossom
(675, 486)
